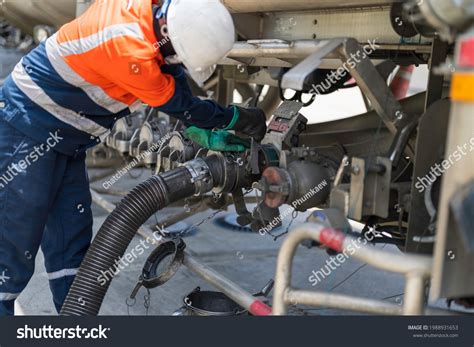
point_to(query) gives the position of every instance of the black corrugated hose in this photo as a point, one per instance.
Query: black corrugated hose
(87, 292)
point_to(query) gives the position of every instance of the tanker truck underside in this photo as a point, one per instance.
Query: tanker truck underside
(370, 168)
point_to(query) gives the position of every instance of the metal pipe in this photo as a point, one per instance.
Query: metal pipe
(276, 49)
(414, 294)
(279, 53)
(392, 262)
(297, 49)
(246, 6)
(417, 268)
(285, 263)
(229, 288)
(344, 302)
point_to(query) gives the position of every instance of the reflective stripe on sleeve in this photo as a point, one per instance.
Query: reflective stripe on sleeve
(38, 96)
(88, 43)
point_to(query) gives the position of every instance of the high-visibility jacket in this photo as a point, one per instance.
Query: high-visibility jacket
(96, 69)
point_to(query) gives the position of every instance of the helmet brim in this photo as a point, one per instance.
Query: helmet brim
(200, 77)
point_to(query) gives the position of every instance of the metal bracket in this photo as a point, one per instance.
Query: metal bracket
(364, 72)
(296, 77)
(370, 188)
(244, 216)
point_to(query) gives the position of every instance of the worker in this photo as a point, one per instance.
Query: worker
(65, 96)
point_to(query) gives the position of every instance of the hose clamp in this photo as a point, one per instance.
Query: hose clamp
(200, 176)
(150, 277)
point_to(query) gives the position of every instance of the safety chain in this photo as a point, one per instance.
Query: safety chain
(146, 302)
(194, 226)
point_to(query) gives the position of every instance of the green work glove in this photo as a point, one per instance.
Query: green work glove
(217, 140)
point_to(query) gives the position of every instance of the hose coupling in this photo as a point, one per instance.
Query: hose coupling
(200, 175)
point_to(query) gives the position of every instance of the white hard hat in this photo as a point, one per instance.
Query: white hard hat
(202, 32)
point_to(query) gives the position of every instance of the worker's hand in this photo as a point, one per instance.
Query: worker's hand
(217, 140)
(249, 121)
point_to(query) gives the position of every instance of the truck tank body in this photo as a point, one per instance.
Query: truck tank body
(247, 6)
(26, 14)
